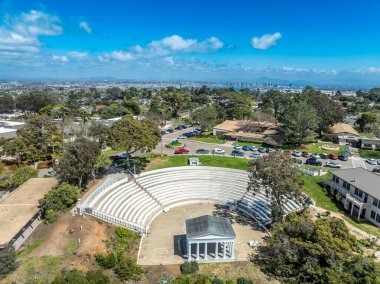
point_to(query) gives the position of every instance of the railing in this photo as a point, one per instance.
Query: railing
(100, 190)
(117, 221)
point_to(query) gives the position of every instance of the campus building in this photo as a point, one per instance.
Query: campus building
(361, 192)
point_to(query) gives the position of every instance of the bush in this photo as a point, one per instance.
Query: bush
(189, 267)
(165, 278)
(14, 180)
(76, 276)
(128, 269)
(8, 262)
(218, 281)
(244, 280)
(51, 216)
(107, 261)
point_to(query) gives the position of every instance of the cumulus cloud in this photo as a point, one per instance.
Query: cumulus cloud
(265, 41)
(85, 26)
(117, 55)
(78, 54)
(21, 33)
(60, 58)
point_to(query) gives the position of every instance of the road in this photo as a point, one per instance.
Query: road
(353, 162)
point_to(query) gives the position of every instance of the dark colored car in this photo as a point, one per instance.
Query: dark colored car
(376, 170)
(313, 162)
(305, 154)
(202, 151)
(116, 157)
(179, 127)
(333, 157)
(269, 150)
(163, 132)
(262, 150)
(170, 130)
(182, 151)
(247, 148)
(237, 153)
(324, 156)
(342, 158)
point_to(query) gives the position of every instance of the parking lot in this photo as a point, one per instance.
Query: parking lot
(228, 147)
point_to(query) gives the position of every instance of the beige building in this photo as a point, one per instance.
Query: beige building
(343, 129)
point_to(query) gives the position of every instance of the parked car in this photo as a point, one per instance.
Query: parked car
(255, 155)
(182, 151)
(333, 157)
(253, 148)
(179, 127)
(315, 155)
(202, 151)
(313, 162)
(376, 170)
(237, 153)
(237, 147)
(296, 153)
(333, 165)
(305, 154)
(297, 161)
(121, 156)
(182, 137)
(218, 151)
(378, 161)
(324, 156)
(247, 148)
(262, 150)
(342, 158)
(170, 130)
(371, 161)
(269, 150)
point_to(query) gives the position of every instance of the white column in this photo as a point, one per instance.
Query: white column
(189, 251)
(233, 250)
(352, 208)
(197, 251)
(205, 250)
(360, 209)
(216, 250)
(224, 250)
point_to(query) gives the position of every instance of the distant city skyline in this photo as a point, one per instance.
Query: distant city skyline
(321, 42)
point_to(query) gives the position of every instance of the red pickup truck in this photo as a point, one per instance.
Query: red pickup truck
(182, 151)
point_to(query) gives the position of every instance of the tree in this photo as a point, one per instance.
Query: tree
(99, 132)
(78, 161)
(80, 277)
(278, 177)
(20, 176)
(276, 100)
(299, 122)
(58, 199)
(34, 101)
(301, 250)
(8, 262)
(366, 118)
(206, 117)
(7, 103)
(132, 106)
(131, 134)
(84, 115)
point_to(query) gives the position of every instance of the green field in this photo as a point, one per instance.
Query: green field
(317, 148)
(369, 154)
(215, 161)
(207, 137)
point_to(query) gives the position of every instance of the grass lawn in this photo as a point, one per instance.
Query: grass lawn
(317, 148)
(369, 154)
(312, 187)
(215, 161)
(207, 137)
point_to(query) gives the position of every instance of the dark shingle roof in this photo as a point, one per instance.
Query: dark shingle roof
(361, 179)
(209, 225)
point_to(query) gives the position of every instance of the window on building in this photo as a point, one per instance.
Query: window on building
(378, 218)
(358, 192)
(336, 179)
(373, 215)
(346, 185)
(375, 202)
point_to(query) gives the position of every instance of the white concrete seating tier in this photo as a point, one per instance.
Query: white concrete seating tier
(138, 201)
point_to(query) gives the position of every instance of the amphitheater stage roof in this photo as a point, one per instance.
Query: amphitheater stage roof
(209, 226)
(21, 205)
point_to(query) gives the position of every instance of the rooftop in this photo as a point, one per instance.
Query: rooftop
(21, 205)
(235, 125)
(361, 179)
(343, 128)
(209, 225)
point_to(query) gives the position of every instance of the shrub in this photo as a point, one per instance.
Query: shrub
(127, 268)
(189, 267)
(244, 280)
(165, 278)
(17, 178)
(76, 276)
(8, 262)
(107, 261)
(51, 216)
(218, 281)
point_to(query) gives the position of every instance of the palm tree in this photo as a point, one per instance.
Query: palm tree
(85, 115)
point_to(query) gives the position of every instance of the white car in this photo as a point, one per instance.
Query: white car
(333, 165)
(371, 161)
(255, 155)
(237, 147)
(182, 137)
(218, 151)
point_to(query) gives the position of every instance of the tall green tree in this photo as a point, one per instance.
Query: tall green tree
(206, 117)
(299, 122)
(78, 161)
(8, 261)
(7, 103)
(367, 118)
(276, 176)
(131, 134)
(34, 101)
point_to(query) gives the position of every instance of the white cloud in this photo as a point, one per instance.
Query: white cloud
(77, 54)
(85, 26)
(117, 55)
(60, 58)
(21, 33)
(265, 41)
(169, 60)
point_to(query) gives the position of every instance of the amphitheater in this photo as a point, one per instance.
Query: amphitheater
(136, 202)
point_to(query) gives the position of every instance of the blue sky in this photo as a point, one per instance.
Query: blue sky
(331, 42)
